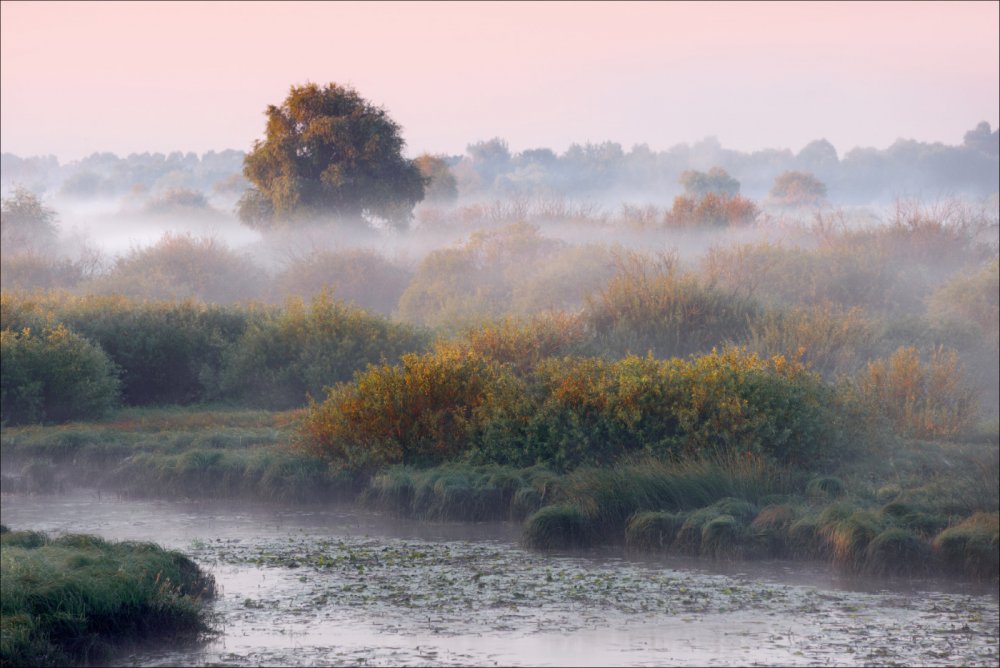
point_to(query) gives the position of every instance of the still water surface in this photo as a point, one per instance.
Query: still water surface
(343, 586)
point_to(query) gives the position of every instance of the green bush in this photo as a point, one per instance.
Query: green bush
(168, 352)
(285, 355)
(54, 377)
(569, 412)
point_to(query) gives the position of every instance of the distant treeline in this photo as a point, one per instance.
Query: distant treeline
(598, 172)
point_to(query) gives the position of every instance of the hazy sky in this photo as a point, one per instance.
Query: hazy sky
(81, 77)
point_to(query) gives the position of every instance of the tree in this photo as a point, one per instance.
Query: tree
(25, 223)
(329, 152)
(716, 180)
(441, 184)
(795, 189)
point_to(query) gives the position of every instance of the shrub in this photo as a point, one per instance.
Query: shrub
(181, 266)
(180, 201)
(782, 276)
(573, 411)
(285, 355)
(522, 343)
(921, 399)
(419, 412)
(26, 224)
(54, 377)
(360, 277)
(711, 210)
(973, 297)
(563, 280)
(828, 338)
(168, 352)
(31, 271)
(459, 286)
(650, 307)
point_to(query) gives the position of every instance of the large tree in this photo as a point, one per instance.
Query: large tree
(329, 152)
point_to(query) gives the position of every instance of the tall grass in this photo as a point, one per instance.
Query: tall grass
(74, 598)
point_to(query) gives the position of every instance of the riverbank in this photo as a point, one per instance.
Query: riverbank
(923, 507)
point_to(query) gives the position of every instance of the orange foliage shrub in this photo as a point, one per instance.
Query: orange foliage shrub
(414, 413)
(921, 399)
(711, 209)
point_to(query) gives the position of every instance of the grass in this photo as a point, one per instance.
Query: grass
(970, 547)
(459, 492)
(74, 598)
(206, 452)
(608, 499)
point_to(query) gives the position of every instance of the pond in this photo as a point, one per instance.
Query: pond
(344, 586)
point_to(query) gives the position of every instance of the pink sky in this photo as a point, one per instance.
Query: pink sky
(81, 77)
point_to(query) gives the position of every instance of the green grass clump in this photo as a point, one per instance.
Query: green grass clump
(971, 547)
(848, 532)
(558, 527)
(653, 530)
(896, 551)
(825, 487)
(914, 518)
(804, 541)
(722, 539)
(460, 492)
(71, 599)
(769, 533)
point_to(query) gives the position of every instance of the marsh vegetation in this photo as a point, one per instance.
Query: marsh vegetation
(724, 375)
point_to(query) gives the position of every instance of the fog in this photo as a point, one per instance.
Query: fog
(893, 232)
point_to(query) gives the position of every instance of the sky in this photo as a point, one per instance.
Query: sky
(123, 77)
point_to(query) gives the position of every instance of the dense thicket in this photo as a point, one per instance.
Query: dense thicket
(185, 352)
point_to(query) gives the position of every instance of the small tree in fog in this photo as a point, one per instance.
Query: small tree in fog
(25, 223)
(715, 180)
(329, 152)
(797, 189)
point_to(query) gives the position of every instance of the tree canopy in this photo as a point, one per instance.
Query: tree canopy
(329, 152)
(797, 189)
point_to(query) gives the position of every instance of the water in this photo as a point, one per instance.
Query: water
(342, 586)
